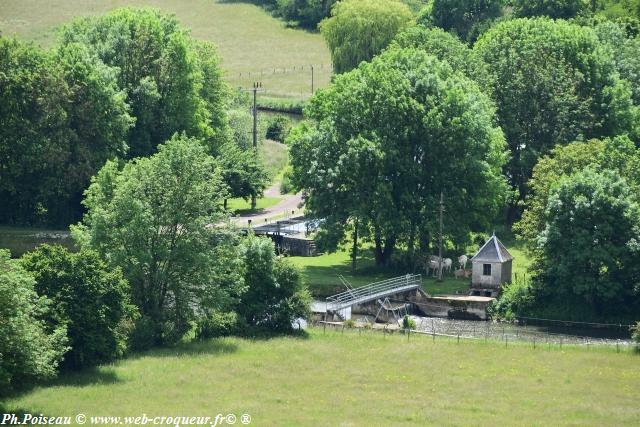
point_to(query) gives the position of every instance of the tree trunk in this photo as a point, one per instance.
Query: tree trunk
(354, 250)
(382, 252)
(225, 204)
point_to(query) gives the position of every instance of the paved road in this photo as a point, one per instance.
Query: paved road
(289, 202)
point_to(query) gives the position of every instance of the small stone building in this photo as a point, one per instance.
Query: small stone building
(491, 267)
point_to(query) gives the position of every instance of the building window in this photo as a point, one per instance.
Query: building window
(486, 269)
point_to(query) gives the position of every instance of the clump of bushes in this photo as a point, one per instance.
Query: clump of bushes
(29, 349)
(219, 324)
(286, 186)
(278, 128)
(516, 298)
(408, 323)
(88, 298)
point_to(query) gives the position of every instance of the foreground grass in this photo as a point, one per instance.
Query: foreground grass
(354, 380)
(249, 40)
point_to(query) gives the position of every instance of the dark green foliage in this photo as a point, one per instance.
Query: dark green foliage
(90, 299)
(156, 219)
(591, 243)
(624, 42)
(242, 171)
(275, 294)
(391, 136)
(278, 128)
(553, 83)
(461, 16)
(29, 350)
(219, 324)
(557, 9)
(446, 47)
(619, 154)
(306, 13)
(62, 115)
(516, 298)
(163, 72)
(408, 323)
(286, 185)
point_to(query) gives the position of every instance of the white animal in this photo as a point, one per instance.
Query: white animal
(446, 264)
(462, 261)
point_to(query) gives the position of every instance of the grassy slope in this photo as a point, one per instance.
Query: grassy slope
(248, 39)
(354, 380)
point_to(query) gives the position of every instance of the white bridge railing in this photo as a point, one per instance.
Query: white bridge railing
(373, 291)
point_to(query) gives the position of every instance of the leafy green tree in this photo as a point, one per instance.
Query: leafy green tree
(619, 154)
(61, 117)
(32, 130)
(307, 13)
(557, 9)
(242, 171)
(553, 83)
(360, 29)
(214, 91)
(446, 47)
(29, 349)
(391, 136)
(159, 67)
(87, 297)
(461, 16)
(157, 219)
(275, 295)
(591, 243)
(98, 120)
(624, 44)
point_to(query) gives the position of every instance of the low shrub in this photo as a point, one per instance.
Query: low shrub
(278, 128)
(218, 325)
(408, 323)
(515, 299)
(349, 323)
(286, 186)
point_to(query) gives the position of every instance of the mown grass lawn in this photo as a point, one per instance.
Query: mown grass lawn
(358, 380)
(248, 38)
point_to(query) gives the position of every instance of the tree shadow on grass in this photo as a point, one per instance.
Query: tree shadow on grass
(83, 378)
(214, 346)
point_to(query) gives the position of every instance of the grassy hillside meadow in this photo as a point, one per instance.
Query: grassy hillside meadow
(249, 39)
(416, 382)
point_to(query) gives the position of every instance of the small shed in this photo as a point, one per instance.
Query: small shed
(491, 267)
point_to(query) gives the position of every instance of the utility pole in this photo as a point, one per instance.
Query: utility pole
(440, 247)
(257, 87)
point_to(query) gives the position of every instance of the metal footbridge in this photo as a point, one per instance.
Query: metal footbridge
(373, 291)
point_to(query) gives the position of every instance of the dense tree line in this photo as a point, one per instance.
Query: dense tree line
(129, 112)
(392, 135)
(560, 80)
(116, 86)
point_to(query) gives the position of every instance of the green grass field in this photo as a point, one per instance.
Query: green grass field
(253, 45)
(357, 380)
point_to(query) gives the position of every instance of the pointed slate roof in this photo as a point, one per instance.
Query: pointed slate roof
(492, 251)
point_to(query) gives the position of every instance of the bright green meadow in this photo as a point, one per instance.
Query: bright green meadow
(358, 379)
(254, 46)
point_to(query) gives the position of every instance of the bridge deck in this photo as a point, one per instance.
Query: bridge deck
(373, 291)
